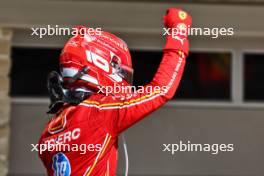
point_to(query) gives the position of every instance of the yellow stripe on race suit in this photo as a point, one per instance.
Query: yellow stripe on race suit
(89, 102)
(100, 154)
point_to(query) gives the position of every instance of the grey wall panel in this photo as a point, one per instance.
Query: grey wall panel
(242, 127)
(27, 122)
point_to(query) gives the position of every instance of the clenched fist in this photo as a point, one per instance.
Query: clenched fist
(176, 17)
(177, 23)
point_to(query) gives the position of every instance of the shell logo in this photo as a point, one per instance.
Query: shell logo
(59, 121)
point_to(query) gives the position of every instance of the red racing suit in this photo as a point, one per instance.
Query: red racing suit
(88, 132)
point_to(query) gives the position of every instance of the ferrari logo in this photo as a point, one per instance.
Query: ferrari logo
(182, 15)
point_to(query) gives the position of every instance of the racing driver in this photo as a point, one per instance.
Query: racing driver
(84, 116)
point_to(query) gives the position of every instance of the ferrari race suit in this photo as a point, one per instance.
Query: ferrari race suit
(97, 121)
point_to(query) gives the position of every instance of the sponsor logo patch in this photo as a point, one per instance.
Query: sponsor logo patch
(58, 122)
(182, 15)
(61, 165)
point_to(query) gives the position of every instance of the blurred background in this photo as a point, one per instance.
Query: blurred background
(220, 98)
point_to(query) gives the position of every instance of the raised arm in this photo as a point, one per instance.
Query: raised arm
(166, 79)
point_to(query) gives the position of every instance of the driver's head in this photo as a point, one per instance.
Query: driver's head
(104, 60)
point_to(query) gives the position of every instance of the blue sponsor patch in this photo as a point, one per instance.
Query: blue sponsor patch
(61, 165)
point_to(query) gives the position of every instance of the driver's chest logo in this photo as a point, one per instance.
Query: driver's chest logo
(59, 121)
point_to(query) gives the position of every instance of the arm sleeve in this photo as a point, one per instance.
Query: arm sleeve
(167, 77)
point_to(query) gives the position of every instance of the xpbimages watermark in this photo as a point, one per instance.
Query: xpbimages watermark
(211, 32)
(191, 147)
(129, 90)
(56, 30)
(60, 147)
(64, 142)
